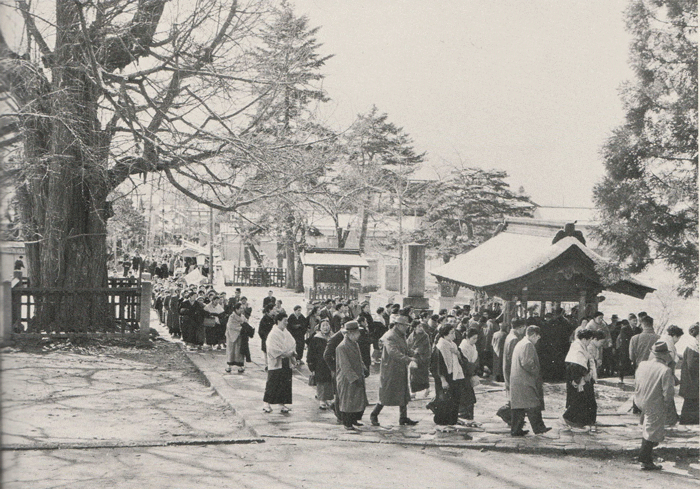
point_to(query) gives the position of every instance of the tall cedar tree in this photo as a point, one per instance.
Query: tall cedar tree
(648, 199)
(380, 160)
(289, 56)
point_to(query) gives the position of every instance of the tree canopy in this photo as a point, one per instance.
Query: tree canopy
(648, 199)
(464, 209)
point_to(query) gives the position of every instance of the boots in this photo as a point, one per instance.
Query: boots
(645, 456)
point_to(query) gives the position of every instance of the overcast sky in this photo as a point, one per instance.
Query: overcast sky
(530, 87)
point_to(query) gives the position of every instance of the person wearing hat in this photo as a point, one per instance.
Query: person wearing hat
(350, 378)
(393, 372)
(653, 392)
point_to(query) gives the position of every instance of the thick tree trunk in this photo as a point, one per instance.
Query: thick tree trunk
(65, 196)
(364, 224)
(291, 264)
(299, 278)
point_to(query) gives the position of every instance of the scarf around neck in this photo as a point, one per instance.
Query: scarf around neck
(578, 354)
(450, 354)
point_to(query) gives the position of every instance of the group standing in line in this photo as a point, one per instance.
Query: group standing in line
(455, 349)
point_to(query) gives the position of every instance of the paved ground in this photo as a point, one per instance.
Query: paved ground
(61, 399)
(618, 429)
(110, 417)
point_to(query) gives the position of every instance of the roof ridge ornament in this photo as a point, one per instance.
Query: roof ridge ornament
(569, 231)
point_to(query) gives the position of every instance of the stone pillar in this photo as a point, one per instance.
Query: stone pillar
(414, 276)
(145, 310)
(370, 275)
(5, 312)
(391, 278)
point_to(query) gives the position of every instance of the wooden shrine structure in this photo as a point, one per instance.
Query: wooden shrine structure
(327, 273)
(550, 265)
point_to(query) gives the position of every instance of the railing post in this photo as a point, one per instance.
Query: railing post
(5, 311)
(145, 309)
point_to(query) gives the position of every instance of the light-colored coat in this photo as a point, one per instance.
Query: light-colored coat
(526, 389)
(653, 391)
(640, 346)
(393, 374)
(508, 347)
(350, 378)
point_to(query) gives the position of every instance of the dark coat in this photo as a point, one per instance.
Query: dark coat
(269, 301)
(393, 373)
(689, 374)
(297, 326)
(329, 352)
(350, 377)
(264, 328)
(419, 342)
(315, 361)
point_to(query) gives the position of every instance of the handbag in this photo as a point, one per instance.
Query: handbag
(209, 322)
(312, 379)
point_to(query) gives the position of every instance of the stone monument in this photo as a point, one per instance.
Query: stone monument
(413, 285)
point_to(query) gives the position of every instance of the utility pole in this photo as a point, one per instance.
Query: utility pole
(211, 245)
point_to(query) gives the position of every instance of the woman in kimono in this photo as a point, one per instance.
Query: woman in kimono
(281, 358)
(172, 310)
(234, 332)
(581, 406)
(419, 342)
(689, 380)
(446, 369)
(214, 312)
(191, 316)
(470, 364)
(314, 359)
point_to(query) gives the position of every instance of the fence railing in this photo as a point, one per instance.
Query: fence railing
(324, 292)
(259, 277)
(123, 309)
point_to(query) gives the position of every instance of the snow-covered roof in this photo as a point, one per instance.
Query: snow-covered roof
(509, 256)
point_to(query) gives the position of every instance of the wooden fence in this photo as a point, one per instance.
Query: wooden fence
(123, 296)
(320, 293)
(259, 277)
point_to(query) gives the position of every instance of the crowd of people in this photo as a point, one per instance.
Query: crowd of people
(166, 265)
(342, 339)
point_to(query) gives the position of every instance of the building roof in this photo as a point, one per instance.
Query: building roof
(506, 263)
(580, 215)
(333, 260)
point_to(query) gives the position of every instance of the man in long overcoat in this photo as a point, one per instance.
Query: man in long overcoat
(516, 334)
(393, 373)
(526, 388)
(653, 392)
(350, 377)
